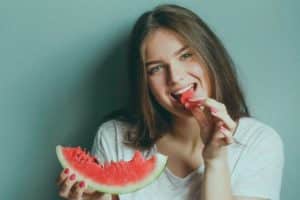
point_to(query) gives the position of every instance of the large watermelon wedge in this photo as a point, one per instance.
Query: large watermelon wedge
(113, 177)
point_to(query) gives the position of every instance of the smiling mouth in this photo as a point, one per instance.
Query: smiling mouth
(177, 97)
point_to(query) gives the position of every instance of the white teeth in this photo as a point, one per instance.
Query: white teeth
(183, 90)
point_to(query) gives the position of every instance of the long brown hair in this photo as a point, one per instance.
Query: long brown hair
(147, 117)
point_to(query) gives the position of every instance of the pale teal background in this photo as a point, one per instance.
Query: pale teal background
(62, 64)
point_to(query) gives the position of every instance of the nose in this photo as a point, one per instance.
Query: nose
(176, 74)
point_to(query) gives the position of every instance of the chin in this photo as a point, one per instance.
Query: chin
(175, 108)
(179, 111)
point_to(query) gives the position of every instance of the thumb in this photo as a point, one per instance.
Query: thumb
(89, 190)
(200, 116)
(90, 194)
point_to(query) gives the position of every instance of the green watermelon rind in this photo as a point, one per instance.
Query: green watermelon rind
(160, 166)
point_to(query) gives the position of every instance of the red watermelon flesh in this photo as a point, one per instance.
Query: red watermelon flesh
(186, 95)
(112, 177)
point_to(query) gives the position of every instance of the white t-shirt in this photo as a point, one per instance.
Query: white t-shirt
(256, 168)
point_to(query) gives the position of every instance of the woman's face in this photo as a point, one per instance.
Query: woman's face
(171, 65)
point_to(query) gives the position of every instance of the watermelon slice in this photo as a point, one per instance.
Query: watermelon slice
(186, 95)
(112, 177)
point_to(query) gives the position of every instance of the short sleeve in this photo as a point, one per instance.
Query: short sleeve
(260, 170)
(104, 144)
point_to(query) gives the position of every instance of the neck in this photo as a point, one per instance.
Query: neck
(188, 132)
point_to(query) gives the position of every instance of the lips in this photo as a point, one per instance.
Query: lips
(181, 98)
(182, 90)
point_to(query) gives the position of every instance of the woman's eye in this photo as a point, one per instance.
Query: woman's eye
(185, 56)
(154, 69)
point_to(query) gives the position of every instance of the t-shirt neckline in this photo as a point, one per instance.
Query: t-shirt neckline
(169, 173)
(201, 168)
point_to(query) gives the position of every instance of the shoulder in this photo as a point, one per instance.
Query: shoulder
(259, 165)
(252, 131)
(109, 140)
(112, 128)
(260, 139)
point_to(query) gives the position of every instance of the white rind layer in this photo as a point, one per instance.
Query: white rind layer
(130, 187)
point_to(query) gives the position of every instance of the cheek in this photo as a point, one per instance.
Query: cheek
(201, 74)
(198, 71)
(156, 87)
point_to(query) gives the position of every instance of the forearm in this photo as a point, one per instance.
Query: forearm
(216, 182)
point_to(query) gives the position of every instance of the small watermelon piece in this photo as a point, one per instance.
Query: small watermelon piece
(186, 95)
(112, 177)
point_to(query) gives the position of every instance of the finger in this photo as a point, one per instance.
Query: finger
(218, 125)
(228, 135)
(67, 185)
(209, 102)
(98, 195)
(77, 190)
(218, 139)
(206, 123)
(89, 191)
(212, 103)
(62, 176)
(225, 118)
(200, 116)
(193, 102)
(192, 105)
(197, 98)
(219, 110)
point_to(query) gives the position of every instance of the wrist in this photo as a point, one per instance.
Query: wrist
(219, 159)
(215, 163)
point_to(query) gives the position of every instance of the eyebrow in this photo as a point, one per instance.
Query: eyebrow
(176, 53)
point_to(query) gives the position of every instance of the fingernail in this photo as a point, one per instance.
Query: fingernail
(187, 105)
(72, 177)
(223, 129)
(213, 110)
(82, 184)
(67, 170)
(202, 108)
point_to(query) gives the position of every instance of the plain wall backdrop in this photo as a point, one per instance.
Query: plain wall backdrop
(62, 68)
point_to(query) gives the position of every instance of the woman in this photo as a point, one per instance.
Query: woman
(215, 149)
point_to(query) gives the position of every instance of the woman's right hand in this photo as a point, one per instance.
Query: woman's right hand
(71, 189)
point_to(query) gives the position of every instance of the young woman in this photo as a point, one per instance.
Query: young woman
(215, 150)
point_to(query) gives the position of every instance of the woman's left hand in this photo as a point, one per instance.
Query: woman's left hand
(222, 126)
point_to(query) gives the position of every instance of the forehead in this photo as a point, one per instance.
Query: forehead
(161, 43)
